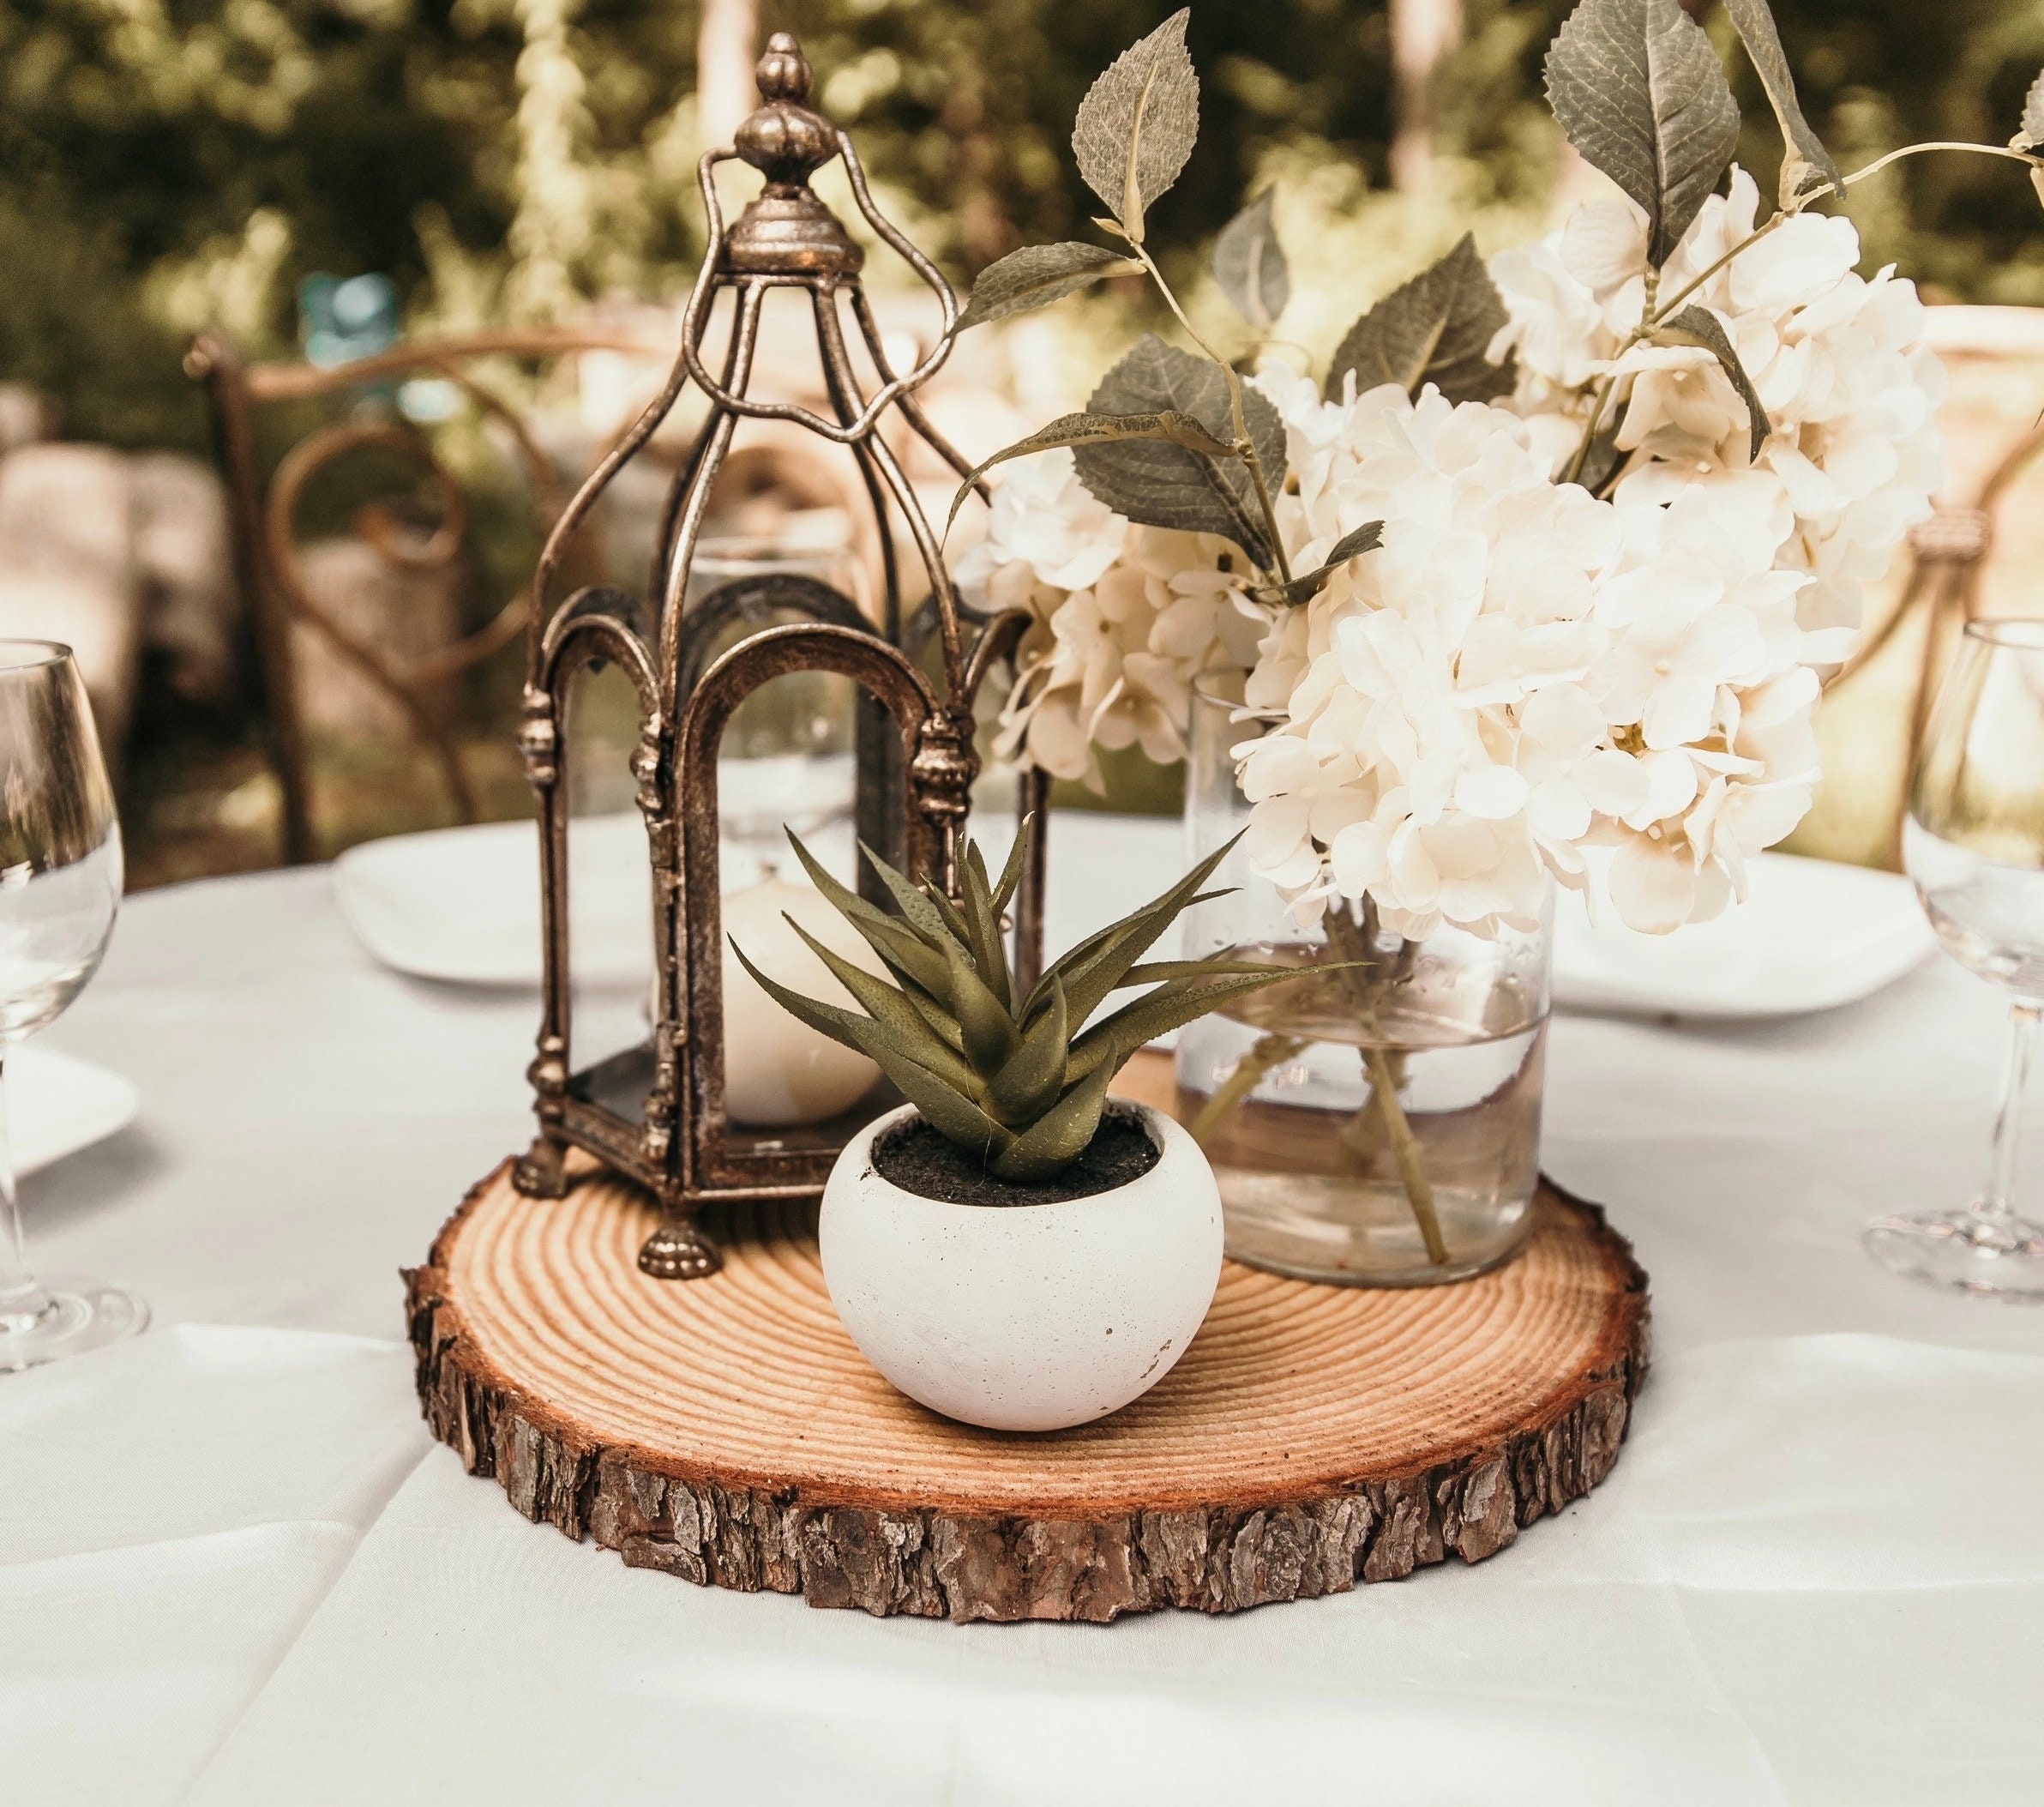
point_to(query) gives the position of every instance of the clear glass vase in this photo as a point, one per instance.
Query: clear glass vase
(1373, 1126)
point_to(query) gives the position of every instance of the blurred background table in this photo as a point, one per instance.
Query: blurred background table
(234, 1568)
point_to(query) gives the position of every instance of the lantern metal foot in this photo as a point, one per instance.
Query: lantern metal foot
(677, 1250)
(542, 1170)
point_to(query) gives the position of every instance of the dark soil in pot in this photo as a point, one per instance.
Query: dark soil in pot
(914, 1157)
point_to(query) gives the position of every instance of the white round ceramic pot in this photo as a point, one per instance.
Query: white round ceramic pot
(1025, 1318)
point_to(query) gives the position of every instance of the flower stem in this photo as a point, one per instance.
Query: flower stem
(1244, 447)
(1267, 1051)
(1367, 980)
(1405, 1151)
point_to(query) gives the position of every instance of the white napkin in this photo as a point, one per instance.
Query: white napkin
(171, 1510)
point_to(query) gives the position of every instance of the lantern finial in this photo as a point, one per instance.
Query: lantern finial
(788, 230)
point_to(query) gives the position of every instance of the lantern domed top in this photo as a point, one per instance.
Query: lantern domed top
(788, 140)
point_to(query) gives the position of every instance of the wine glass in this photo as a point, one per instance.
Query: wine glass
(60, 885)
(1974, 844)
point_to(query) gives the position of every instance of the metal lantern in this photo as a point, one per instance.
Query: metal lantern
(655, 1113)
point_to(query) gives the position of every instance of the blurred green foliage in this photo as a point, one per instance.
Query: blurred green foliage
(168, 162)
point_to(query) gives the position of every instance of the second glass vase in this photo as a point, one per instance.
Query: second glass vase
(1374, 1125)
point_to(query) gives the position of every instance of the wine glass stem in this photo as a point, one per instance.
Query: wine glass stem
(22, 1300)
(2008, 1121)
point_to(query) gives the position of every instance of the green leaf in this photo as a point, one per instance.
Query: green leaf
(1249, 263)
(922, 915)
(1806, 166)
(1071, 963)
(1059, 1136)
(892, 1011)
(989, 1031)
(1037, 275)
(1170, 425)
(954, 1116)
(956, 1119)
(1176, 484)
(1604, 462)
(1698, 326)
(1169, 1007)
(1639, 89)
(1157, 972)
(983, 928)
(954, 920)
(1435, 329)
(892, 940)
(1366, 539)
(1018, 862)
(934, 1012)
(1138, 123)
(841, 1026)
(2030, 134)
(1034, 1075)
(1087, 983)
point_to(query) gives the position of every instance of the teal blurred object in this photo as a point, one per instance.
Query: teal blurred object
(343, 318)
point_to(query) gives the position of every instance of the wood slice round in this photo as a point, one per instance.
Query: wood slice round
(726, 1430)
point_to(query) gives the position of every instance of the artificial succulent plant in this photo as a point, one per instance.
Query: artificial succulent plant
(1016, 1082)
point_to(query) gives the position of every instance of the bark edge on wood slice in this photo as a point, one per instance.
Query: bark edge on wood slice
(726, 1431)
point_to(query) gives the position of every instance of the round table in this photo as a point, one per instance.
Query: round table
(234, 1568)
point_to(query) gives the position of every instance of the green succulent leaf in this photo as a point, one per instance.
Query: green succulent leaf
(1032, 1077)
(1161, 972)
(896, 1016)
(1073, 962)
(1637, 88)
(1249, 263)
(1698, 326)
(1171, 483)
(1138, 123)
(1436, 329)
(989, 1031)
(1170, 1006)
(840, 1025)
(954, 920)
(955, 1118)
(921, 915)
(1806, 165)
(1060, 1136)
(1018, 862)
(1013, 1088)
(942, 1023)
(1088, 983)
(888, 936)
(982, 928)
(1037, 275)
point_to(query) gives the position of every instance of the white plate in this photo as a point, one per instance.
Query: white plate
(463, 904)
(1811, 936)
(57, 1106)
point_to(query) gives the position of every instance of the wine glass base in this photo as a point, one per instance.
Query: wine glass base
(1996, 1257)
(83, 1314)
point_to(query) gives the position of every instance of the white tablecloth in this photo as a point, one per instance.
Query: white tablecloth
(234, 1569)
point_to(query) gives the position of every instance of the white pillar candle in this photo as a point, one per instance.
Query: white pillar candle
(777, 1071)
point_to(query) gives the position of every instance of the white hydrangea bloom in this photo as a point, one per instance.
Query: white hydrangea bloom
(1837, 358)
(1127, 616)
(1521, 672)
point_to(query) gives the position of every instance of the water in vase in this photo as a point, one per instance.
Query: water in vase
(1288, 1092)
